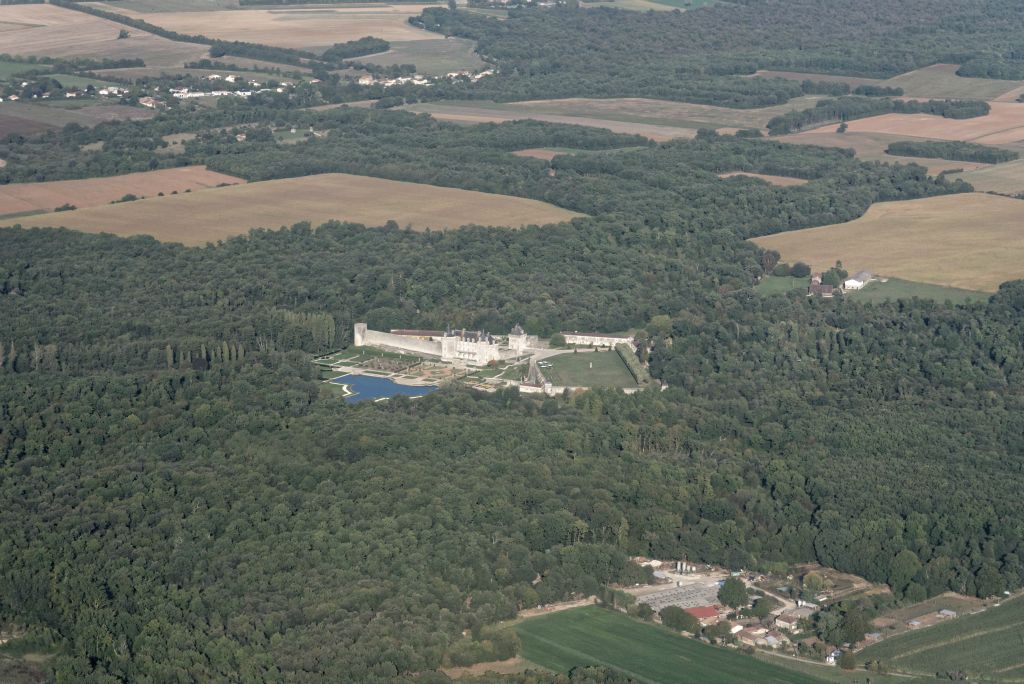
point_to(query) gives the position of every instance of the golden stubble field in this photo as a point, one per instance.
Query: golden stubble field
(1002, 125)
(303, 28)
(91, 192)
(49, 31)
(973, 241)
(210, 215)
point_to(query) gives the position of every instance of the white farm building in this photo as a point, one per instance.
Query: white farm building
(857, 281)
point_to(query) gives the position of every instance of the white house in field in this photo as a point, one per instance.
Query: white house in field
(857, 281)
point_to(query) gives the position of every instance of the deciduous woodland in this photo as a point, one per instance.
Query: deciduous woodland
(184, 501)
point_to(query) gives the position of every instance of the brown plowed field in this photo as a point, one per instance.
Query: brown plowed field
(304, 28)
(23, 197)
(210, 215)
(973, 241)
(46, 30)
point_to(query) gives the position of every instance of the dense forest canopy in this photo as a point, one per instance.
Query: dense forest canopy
(700, 55)
(185, 501)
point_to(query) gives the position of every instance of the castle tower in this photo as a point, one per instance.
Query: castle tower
(359, 335)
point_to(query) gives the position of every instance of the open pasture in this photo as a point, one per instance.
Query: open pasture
(895, 288)
(940, 81)
(871, 147)
(431, 57)
(781, 181)
(1004, 124)
(644, 652)
(589, 369)
(47, 30)
(1005, 179)
(17, 198)
(985, 645)
(210, 215)
(25, 118)
(315, 28)
(970, 241)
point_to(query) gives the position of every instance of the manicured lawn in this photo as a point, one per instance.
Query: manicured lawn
(646, 653)
(588, 369)
(987, 645)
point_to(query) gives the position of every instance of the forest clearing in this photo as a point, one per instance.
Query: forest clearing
(44, 31)
(307, 29)
(781, 181)
(89, 192)
(210, 215)
(970, 241)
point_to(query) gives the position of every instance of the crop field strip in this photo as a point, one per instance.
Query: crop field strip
(938, 81)
(215, 214)
(46, 29)
(303, 28)
(1004, 124)
(970, 241)
(644, 652)
(91, 192)
(987, 644)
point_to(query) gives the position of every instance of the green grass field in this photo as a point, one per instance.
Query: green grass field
(574, 370)
(987, 645)
(905, 289)
(11, 69)
(72, 81)
(771, 285)
(646, 653)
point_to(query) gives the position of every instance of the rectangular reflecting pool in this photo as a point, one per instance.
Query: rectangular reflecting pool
(369, 388)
